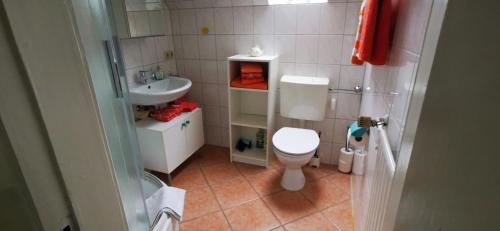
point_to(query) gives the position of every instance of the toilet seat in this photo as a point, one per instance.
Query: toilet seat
(295, 141)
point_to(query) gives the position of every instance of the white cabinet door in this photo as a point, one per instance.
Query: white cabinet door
(174, 140)
(194, 132)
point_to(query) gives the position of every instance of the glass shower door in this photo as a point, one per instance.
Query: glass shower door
(96, 37)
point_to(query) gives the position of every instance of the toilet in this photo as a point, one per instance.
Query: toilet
(303, 98)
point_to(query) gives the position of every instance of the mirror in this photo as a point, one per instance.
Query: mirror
(139, 18)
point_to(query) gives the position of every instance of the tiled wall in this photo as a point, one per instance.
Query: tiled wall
(387, 88)
(311, 39)
(148, 52)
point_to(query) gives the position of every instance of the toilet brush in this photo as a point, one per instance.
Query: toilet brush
(315, 159)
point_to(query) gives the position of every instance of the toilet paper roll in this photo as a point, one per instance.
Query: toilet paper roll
(358, 167)
(345, 160)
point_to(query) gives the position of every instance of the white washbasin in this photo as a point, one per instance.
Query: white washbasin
(158, 92)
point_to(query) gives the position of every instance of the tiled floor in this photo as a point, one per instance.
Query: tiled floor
(231, 196)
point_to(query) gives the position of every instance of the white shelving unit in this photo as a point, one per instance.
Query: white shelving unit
(252, 109)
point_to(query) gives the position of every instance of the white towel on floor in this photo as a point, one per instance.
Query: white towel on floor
(169, 200)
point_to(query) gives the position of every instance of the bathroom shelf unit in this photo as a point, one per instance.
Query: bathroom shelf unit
(252, 109)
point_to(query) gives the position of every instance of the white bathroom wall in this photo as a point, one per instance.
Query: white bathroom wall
(145, 53)
(311, 39)
(387, 88)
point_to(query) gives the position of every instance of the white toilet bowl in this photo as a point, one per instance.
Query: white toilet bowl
(294, 147)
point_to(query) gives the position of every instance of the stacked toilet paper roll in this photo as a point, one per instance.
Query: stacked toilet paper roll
(358, 168)
(345, 160)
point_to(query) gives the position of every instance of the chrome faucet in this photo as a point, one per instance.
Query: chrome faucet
(143, 77)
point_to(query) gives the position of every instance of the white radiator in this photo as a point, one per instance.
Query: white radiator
(381, 181)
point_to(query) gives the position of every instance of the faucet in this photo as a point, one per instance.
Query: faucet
(143, 77)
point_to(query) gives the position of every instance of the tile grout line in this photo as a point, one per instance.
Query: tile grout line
(215, 197)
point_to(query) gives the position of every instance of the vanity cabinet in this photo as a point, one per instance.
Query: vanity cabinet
(139, 18)
(166, 145)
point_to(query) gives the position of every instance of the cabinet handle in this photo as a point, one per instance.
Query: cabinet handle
(187, 122)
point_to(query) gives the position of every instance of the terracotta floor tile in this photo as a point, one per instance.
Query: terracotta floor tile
(323, 193)
(253, 215)
(288, 206)
(276, 164)
(343, 181)
(341, 216)
(234, 192)
(329, 169)
(248, 169)
(266, 182)
(279, 229)
(189, 178)
(220, 173)
(314, 222)
(209, 222)
(209, 155)
(199, 202)
(313, 174)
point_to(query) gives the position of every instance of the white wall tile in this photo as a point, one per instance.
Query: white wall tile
(308, 18)
(190, 47)
(208, 71)
(192, 70)
(332, 72)
(195, 93)
(243, 20)
(305, 69)
(148, 51)
(185, 4)
(332, 18)
(347, 45)
(242, 2)
(213, 135)
(163, 44)
(286, 69)
(223, 20)
(330, 49)
(340, 130)
(222, 3)
(285, 19)
(179, 51)
(205, 18)
(243, 43)
(307, 49)
(263, 20)
(206, 44)
(187, 21)
(351, 76)
(175, 21)
(211, 96)
(325, 152)
(326, 129)
(131, 53)
(265, 42)
(336, 152)
(202, 3)
(223, 97)
(352, 17)
(225, 46)
(284, 46)
(348, 105)
(224, 117)
(222, 72)
(156, 22)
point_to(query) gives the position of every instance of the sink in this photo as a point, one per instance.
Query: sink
(161, 91)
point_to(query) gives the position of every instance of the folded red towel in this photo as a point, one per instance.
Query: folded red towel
(251, 80)
(237, 83)
(251, 75)
(250, 68)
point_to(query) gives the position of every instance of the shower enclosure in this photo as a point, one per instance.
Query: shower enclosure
(101, 49)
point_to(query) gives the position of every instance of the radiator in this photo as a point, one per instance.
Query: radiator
(381, 181)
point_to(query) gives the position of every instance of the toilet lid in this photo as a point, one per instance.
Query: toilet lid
(295, 141)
